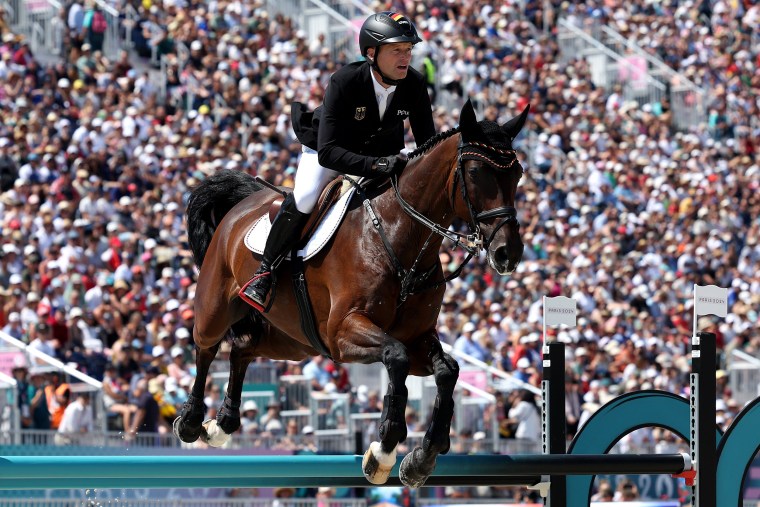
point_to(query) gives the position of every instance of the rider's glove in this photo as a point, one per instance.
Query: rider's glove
(390, 165)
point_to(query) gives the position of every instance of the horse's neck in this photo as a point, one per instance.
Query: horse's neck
(425, 184)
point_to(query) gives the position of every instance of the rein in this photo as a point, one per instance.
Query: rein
(411, 283)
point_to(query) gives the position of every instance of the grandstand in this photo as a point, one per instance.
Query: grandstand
(642, 175)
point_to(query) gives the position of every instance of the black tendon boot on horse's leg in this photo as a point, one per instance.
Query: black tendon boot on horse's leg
(381, 456)
(420, 463)
(188, 427)
(228, 418)
(285, 232)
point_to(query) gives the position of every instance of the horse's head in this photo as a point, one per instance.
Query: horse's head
(489, 172)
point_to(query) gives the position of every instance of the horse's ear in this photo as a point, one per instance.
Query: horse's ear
(515, 125)
(467, 121)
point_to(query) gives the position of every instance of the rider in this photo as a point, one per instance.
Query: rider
(358, 130)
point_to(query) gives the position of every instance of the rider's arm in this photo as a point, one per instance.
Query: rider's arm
(331, 154)
(421, 116)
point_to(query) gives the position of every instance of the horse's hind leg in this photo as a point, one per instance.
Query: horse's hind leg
(228, 418)
(188, 427)
(420, 463)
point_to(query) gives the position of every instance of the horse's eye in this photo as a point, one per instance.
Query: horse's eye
(473, 170)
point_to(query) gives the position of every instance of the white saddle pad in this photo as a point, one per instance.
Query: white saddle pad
(256, 238)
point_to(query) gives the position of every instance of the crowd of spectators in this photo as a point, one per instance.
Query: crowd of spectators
(618, 209)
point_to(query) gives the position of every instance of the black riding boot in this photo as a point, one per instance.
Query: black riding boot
(286, 230)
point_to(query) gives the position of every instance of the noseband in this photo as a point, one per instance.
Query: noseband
(496, 158)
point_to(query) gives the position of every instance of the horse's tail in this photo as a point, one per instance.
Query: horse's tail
(209, 201)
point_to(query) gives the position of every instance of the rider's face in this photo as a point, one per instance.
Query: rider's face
(393, 59)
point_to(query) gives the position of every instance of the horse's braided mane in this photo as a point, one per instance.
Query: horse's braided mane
(433, 141)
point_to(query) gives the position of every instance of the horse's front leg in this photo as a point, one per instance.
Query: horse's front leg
(188, 427)
(370, 344)
(420, 463)
(381, 456)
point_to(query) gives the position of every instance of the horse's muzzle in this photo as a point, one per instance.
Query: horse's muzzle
(505, 258)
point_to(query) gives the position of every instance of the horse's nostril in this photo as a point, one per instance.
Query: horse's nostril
(500, 255)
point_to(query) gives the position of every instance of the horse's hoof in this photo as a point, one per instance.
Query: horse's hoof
(184, 432)
(213, 434)
(410, 471)
(377, 465)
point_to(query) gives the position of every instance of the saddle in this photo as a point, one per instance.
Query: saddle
(321, 225)
(329, 196)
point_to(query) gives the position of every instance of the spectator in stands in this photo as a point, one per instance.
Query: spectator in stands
(38, 403)
(308, 443)
(28, 313)
(526, 415)
(213, 398)
(338, 376)
(184, 342)
(77, 421)
(502, 357)
(667, 442)
(522, 373)
(58, 395)
(95, 361)
(282, 493)
(316, 371)
(173, 393)
(20, 373)
(146, 417)
(604, 493)
(573, 405)
(40, 339)
(626, 491)
(75, 19)
(411, 417)
(270, 422)
(178, 368)
(467, 345)
(13, 327)
(116, 397)
(166, 409)
(324, 495)
(123, 360)
(94, 26)
(249, 423)
(5, 293)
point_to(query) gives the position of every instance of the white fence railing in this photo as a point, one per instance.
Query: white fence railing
(610, 69)
(687, 99)
(509, 380)
(744, 376)
(9, 412)
(337, 20)
(43, 24)
(36, 357)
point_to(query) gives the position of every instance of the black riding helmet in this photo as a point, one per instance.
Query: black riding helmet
(386, 28)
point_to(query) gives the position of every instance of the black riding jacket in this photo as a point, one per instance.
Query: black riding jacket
(346, 129)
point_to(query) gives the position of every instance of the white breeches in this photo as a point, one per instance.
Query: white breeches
(311, 179)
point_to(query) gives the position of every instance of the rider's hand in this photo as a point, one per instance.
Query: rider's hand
(390, 164)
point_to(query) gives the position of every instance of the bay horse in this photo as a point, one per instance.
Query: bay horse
(376, 288)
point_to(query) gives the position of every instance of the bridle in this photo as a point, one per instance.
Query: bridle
(472, 243)
(483, 152)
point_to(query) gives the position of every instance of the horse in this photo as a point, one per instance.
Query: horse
(376, 288)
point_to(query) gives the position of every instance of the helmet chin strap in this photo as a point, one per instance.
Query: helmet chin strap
(375, 66)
